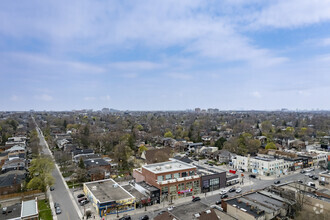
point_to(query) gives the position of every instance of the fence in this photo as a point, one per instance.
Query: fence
(21, 194)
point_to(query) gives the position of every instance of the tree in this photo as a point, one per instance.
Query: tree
(81, 163)
(41, 174)
(270, 145)
(168, 134)
(142, 148)
(220, 142)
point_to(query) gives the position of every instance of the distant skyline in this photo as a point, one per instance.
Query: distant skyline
(165, 55)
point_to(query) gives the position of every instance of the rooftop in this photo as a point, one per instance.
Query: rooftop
(29, 208)
(13, 212)
(108, 190)
(168, 166)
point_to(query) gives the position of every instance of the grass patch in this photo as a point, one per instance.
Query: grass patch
(45, 212)
(70, 184)
(67, 174)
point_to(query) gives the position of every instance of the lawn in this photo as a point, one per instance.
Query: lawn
(45, 212)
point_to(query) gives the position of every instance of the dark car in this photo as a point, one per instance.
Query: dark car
(302, 171)
(196, 199)
(125, 218)
(144, 217)
(218, 202)
(81, 199)
(52, 188)
(84, 202)
(252, 176)
(210, 164)
(300, 181)
(311, 176)
(232, 190)
(80, 195)
(277, 182)
(224, 196)
(314, 177)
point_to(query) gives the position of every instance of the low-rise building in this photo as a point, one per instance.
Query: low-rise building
(108, 197)
(324, 179)
(30, 210)
(174, 179)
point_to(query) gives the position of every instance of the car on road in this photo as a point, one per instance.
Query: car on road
(223, 192)
(211, 165)
(300, 181)
(81, 199)
(277, 182)
(311, 176)
(302, 171)
(224, 196)
(58, 210)
(196, 199)
(145, 217)
(218, 202)
(314, 177)
(84, 202)
(232, 190)
(170, 208)
(56, 205)
(307, 174)
(252, 176)
(238, 190)
(125, 218)
(241, 170)
(80, 195)
(216, 207)
(52, 188)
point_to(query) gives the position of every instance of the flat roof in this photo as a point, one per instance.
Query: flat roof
(29, 208)
(108, 190)
(168, 166)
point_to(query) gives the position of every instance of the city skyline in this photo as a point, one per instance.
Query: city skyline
(165, 55)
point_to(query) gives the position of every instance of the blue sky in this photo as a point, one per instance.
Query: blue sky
(165, 55)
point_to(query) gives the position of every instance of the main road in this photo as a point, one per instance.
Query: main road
(61, 194)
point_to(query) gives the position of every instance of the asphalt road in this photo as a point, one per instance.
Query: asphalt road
(60, 194)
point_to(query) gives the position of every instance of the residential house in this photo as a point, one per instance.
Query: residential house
(156, 155)
(11, 181)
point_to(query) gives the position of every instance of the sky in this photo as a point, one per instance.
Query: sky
(165, 55)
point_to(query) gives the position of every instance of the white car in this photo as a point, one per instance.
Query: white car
(170, 208)
(238, 190)
(223, 192)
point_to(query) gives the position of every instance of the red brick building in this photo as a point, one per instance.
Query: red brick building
(175, 179)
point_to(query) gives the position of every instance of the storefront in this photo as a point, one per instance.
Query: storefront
(213, 182)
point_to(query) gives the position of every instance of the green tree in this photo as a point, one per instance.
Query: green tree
(168, 134)
(41, 174)
(81, 163)
(220, 142)
(142, 148)
(271, 145)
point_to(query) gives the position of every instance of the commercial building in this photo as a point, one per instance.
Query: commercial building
(211, 180)
(262, 165)
(108, 197)
(174, 179)
(258, 205)
(324, 179)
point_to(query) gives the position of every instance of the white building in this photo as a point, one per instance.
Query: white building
(262, 165)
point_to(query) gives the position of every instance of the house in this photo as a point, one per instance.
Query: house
(78, 152)
(208, 214)
(12, 212)
(14, 164)
(156, 155)
(11, 181)
(223, 156)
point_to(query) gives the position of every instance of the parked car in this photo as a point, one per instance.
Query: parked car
(307, 174)
(84, 202)
(241, 170)
(145, 217)
(125, 218)
(224, 196)
(218, 202)
(314, 177)
(80, 195)
(277, 182)
(196, 199)
(311, 176)
(311, 184)
(300, 181)
(56, 205)
(232, 190)
(252, 176)
(52, 188)
(216, 207)
(210, 164)
(302, 171)
(81, 199)
(238, 190)
(58, 210)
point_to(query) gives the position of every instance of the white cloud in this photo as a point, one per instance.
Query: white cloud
(293, 13)
(44, 97)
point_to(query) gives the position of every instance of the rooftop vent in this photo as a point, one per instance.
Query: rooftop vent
(208, 211)
(115, 185)
(244, 210)
(197, 215)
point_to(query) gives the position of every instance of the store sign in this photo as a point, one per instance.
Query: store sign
(232, 171)
(184, 191)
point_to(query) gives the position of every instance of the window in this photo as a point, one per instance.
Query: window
(165, 190)
(168, 176)
(176, 175)
(206, 184)
(184, 174)
(214, 182)
(191, 173)
(160, 178)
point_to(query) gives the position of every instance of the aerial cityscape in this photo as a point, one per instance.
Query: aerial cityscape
(165, 110)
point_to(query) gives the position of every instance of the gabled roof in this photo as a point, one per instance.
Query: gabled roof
(8, 179)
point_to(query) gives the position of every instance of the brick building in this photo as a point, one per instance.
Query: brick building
(174, 179)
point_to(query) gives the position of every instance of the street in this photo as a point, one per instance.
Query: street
(61, 192)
